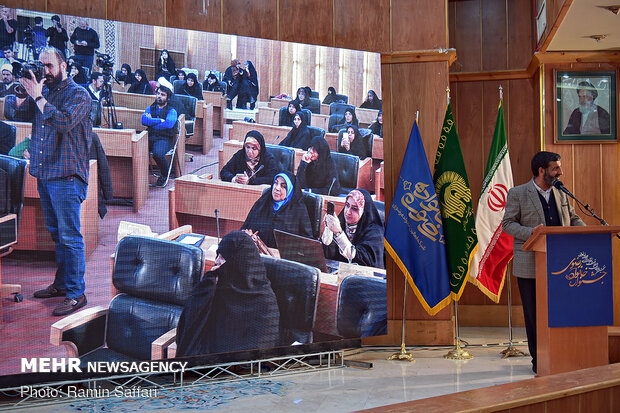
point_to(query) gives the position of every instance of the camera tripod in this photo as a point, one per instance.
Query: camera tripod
(108, 96)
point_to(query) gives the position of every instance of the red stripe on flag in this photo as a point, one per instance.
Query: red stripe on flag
(494, 261)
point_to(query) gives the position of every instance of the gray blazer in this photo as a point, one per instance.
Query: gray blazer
(523, 213)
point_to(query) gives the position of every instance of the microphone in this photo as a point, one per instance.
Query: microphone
(256, 171)
(275, 140)
(217, 223)
(331, 186)
(559, 185)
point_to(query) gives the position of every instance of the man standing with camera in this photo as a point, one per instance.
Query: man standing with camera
(59, 110)
(7, 28)
(58, 36)
(85, 40)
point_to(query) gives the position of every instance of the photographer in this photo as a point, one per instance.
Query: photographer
(58, 37)
(7, 28)
(59, 110)
(85, 40)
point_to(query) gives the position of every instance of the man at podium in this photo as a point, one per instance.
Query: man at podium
(528, 206)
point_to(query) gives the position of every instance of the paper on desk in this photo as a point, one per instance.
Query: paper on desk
(190, 239)
(347, 269)
(131, 228)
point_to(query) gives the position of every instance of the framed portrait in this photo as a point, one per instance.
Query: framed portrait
(586, 106)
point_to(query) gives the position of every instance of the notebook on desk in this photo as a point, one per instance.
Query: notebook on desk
(296, 248)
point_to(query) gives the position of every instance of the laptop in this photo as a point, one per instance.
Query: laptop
(296, 248)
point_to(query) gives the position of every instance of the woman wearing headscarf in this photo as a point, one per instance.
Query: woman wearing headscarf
(303, 97)
(377, 126)
(126, 76)
(211, 83)
(181, 75)
(347, 120)
(353, 143)
(252, 164)
(231, 78)
(372, 101)
(191, 87)
(331, 96)
(299, 136)
(279, 208)
(356, 235)
(141, 84)
(76, 72)
(165, 65)
(317, 169)
(234, 307)
(286, 117)
(248, 86)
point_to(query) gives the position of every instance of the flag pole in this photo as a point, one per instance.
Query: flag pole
(511, 351)
(403, 354)
(457, 353)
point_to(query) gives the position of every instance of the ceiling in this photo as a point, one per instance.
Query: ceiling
(586, 18)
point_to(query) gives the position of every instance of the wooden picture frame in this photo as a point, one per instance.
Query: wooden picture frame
(593, 93)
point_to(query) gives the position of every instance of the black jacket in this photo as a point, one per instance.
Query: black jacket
(320, 175)
(291, 217)
(104, 177)
(234, 307)
(237, 164)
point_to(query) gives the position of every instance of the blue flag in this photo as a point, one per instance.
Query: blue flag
(414, 231)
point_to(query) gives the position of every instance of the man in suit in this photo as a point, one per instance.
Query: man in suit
(529, 206)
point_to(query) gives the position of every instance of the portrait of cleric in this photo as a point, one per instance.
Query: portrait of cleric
(588, 118)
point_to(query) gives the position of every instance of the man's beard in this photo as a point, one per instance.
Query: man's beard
(160, 102)
(52, 81)
(587, 108)
(549, 180)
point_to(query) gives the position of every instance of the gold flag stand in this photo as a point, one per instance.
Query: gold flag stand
(457, 353)
(403, 354)
(511, 351)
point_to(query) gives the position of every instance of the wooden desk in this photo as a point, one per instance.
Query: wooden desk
(219, 104)
(132, 100)
(2, 108)
(380, 182)
(33, 234)
(193, 201)
(120, 87)
(268, 116)
(366, 116)
(128, 157)
(278, 103)
(324, 109)
(377, 145)
(271, 133)
(206, 122)
(320, 121)
(131, 118)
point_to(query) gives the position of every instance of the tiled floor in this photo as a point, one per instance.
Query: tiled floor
(344, 389)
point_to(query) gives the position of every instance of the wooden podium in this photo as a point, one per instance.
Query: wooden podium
(562, 349)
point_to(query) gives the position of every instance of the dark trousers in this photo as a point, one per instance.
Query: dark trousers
(527, 288)
(159, 147)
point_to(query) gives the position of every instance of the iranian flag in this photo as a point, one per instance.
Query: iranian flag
(488, 268)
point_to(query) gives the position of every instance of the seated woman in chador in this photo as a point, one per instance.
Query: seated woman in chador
(347, 120)
(252, 164)
(356, 234)
(287, 116)
(191, 87)
(353, 143)
(141, 84)
(234, 307)
(317, 170)
(299, 137)
(280, 208)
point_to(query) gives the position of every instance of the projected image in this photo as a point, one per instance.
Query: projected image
(203, 194)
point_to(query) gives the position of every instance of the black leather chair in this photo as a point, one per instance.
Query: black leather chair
(381, 210)
(305, 112)
(314, 94)
(315, 105)
(336, 113)
(154, 278)
(296, 287)
(362, 307)
(177, 85)
(314, 205)
(342, 98)
(314, 132)
(8, 134)
(284, 156)
(95, 113)
(347, 167)
(186, 105)
(367, 138)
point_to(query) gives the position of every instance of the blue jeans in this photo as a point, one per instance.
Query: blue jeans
(160, 146)
(61, 200)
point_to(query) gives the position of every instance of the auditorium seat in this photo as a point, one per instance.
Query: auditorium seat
(154, 278)
(381, 209)
(315, 106)
(314, 205)
(186, 105)
(284, 157)
(347, 167)
(296, 287)
(362, 307)
(314, 132)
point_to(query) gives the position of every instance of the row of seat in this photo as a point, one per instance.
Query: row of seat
(156, 277)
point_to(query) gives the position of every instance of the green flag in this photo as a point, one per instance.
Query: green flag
(457, 211)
